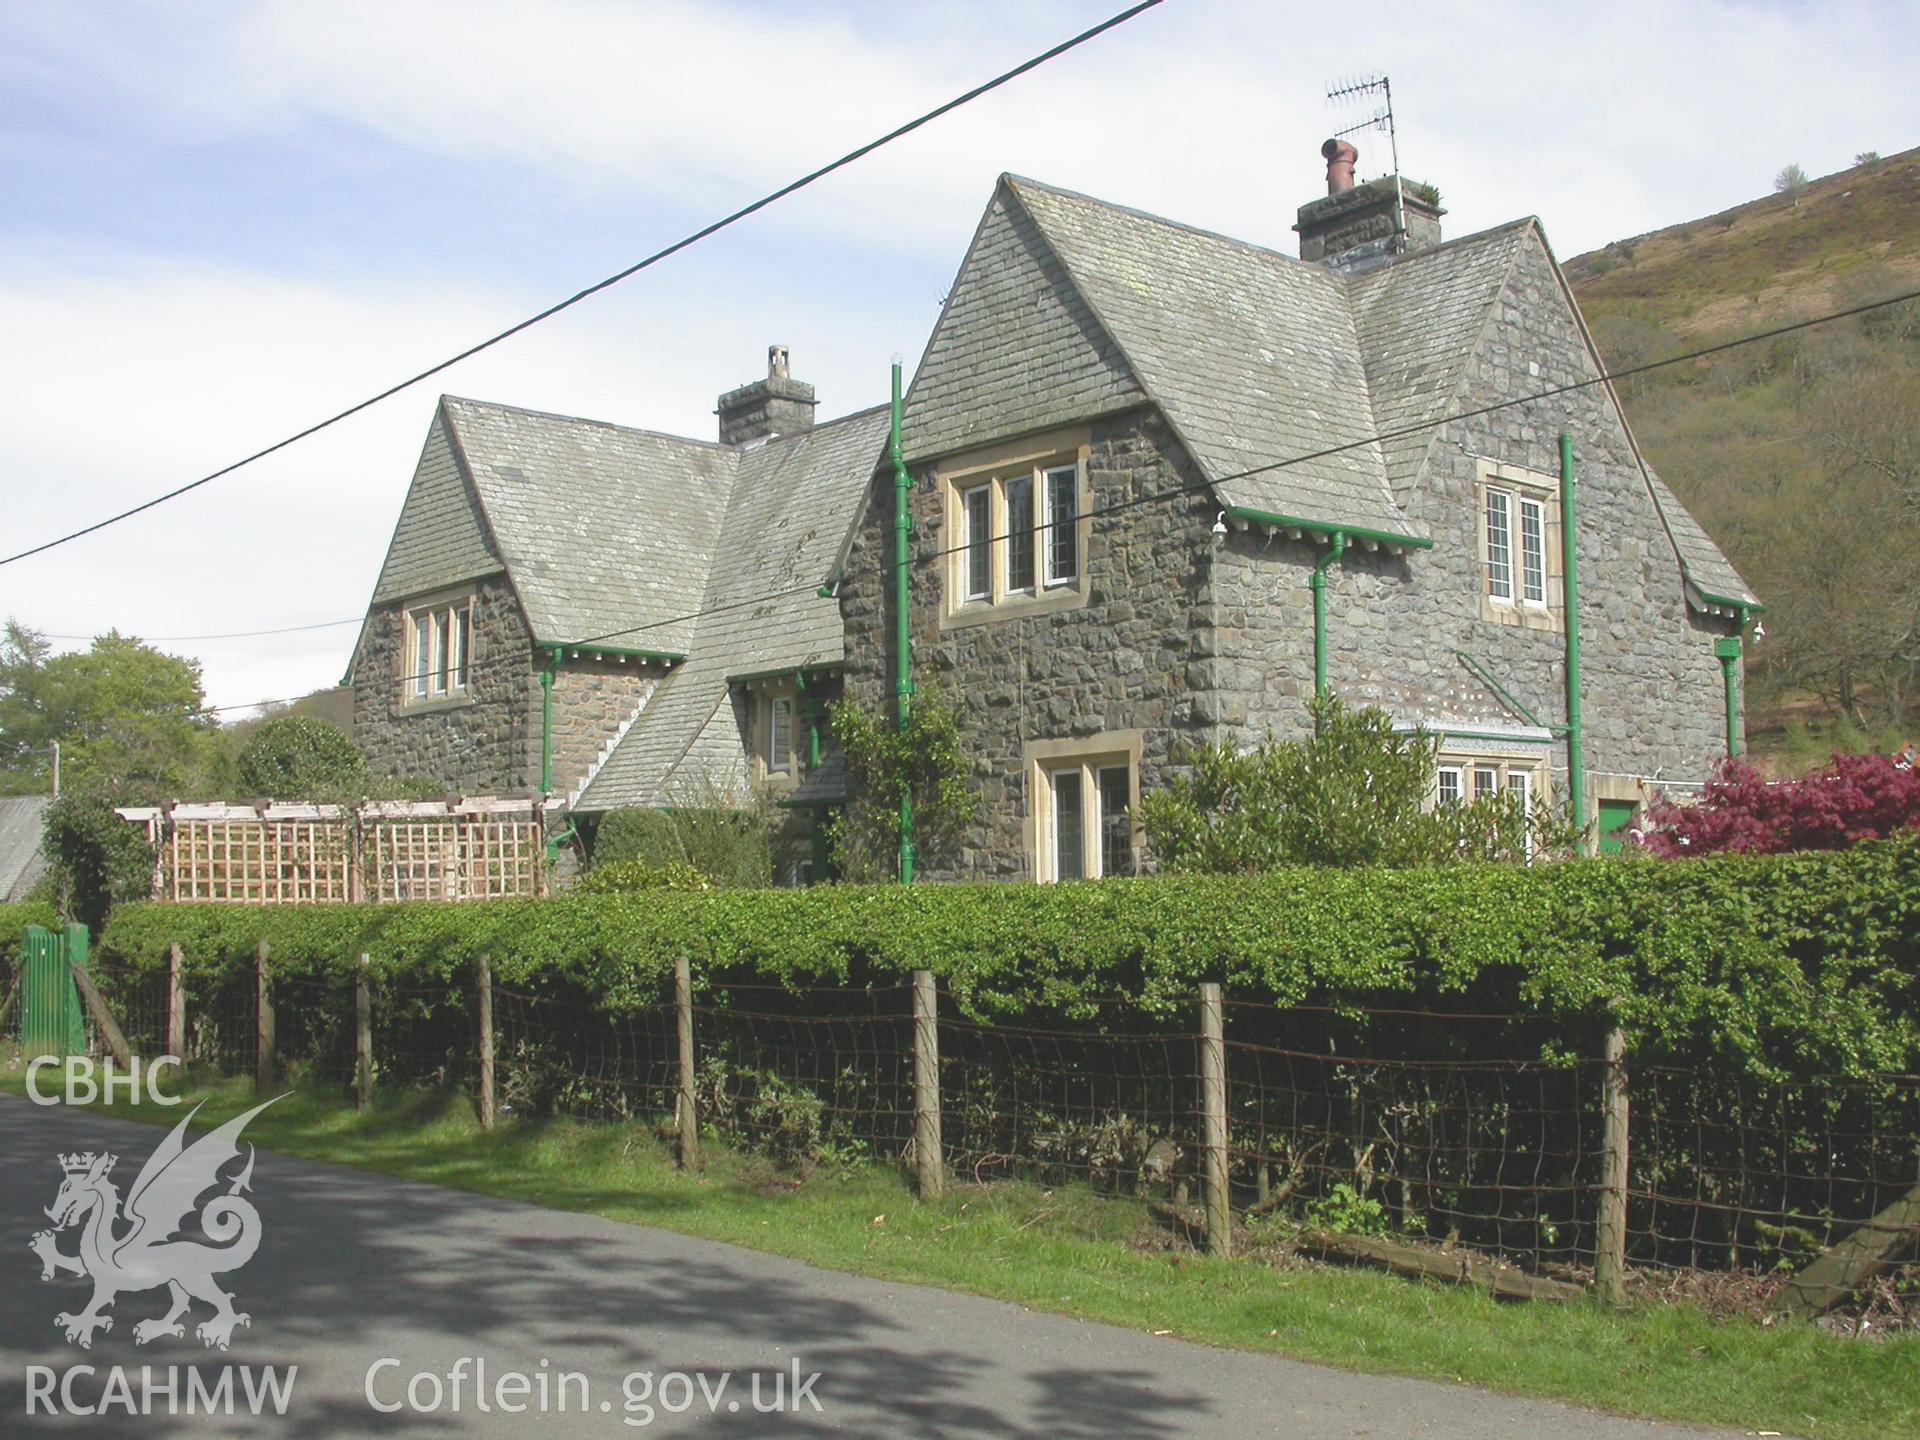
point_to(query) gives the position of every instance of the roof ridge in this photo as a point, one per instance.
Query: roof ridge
(1314, 265)
(587, 420)
(1017, 181)
(722, 446)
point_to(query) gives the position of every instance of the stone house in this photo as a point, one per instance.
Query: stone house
(617, 617)
(1136, 448)
(1143, 459)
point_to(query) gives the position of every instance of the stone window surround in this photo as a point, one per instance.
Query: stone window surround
(761, 695)
(1523, 485)
(993, 465)
(1091, 753)
(408, 663)
(1532, 760)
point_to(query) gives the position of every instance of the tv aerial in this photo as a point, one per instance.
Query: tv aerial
(1362, 90)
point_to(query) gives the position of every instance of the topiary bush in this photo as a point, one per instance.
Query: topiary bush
(300, 757)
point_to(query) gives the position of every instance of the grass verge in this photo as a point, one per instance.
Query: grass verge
(1076, 1253)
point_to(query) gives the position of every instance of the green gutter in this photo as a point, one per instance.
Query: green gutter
(1745, 608)
(1321, 527)
(903, 687)
(1318, 583)
(594, 651)
(1576, 755)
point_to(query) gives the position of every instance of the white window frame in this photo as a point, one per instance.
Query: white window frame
(1039, 468)
(1525, 505)
(1049, 483)
(778, 760)
(1514, 772)
(437, 651)
(1519, 781)
(977, 505)
(1499, 585)
(1533, 552)
(1086, 760)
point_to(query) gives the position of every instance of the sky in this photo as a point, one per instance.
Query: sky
(225, 221)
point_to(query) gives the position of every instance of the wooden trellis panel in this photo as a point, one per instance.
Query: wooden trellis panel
(324, 855)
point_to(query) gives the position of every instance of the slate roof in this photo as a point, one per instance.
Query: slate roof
(1253, 356)
(21, 861)
(793, 503)
(573, 504)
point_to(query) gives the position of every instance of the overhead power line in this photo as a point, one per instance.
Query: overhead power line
(1005, 77)
(231, 635)
(1606, 377)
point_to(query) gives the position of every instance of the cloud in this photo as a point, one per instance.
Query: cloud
(142, 377)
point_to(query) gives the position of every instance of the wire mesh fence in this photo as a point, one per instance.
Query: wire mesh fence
(1489, 1135)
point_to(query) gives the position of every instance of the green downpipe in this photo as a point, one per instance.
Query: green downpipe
(546, 722)
(1576, 757)
(903, 687)
(1318, 582)
(1728, 648)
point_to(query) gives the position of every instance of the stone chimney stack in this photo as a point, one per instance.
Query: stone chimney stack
(777, 405)
(1356, 227)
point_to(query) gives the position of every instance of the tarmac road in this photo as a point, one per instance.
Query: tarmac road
(354, 1269)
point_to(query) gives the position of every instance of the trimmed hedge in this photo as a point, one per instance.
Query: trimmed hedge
(14, 920)
(1783, 964)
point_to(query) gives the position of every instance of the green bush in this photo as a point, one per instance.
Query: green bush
(1355, 792)
(627, 877)
(1778, 964)
(95, 859)
(730, 845)
(648, 836)
(14, 920)
(301, 757)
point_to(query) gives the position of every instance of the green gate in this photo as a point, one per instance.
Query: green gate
(51, 1019)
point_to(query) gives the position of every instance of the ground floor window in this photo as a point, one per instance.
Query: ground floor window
(1459, 778)
(1084, 795)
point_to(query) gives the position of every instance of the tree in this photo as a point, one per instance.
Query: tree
(1867, 159)
(1358, 792)
(296, 757)
(924, 760)
(1853, 798)
(129, 719)
(95, 859)
(1791, 182)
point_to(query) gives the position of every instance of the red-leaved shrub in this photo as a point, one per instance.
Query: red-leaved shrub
(1853, 798)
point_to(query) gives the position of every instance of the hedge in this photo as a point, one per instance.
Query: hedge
(1800, 963)
(14, 920)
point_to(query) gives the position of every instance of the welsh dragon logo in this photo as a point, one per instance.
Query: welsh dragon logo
(140, 1249)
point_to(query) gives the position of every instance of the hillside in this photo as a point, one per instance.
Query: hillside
(1801, 455)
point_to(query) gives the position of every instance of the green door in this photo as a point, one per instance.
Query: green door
(1616, 818)
(51, 1020)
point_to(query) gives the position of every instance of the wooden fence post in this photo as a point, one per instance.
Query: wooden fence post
(1610, 1228)
(266, 1062)
(362, 1041)
(1213, 1108)
(930, 1171)
(176, 1005)
(103, 1021)
(686, 1121)
(484, 999)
